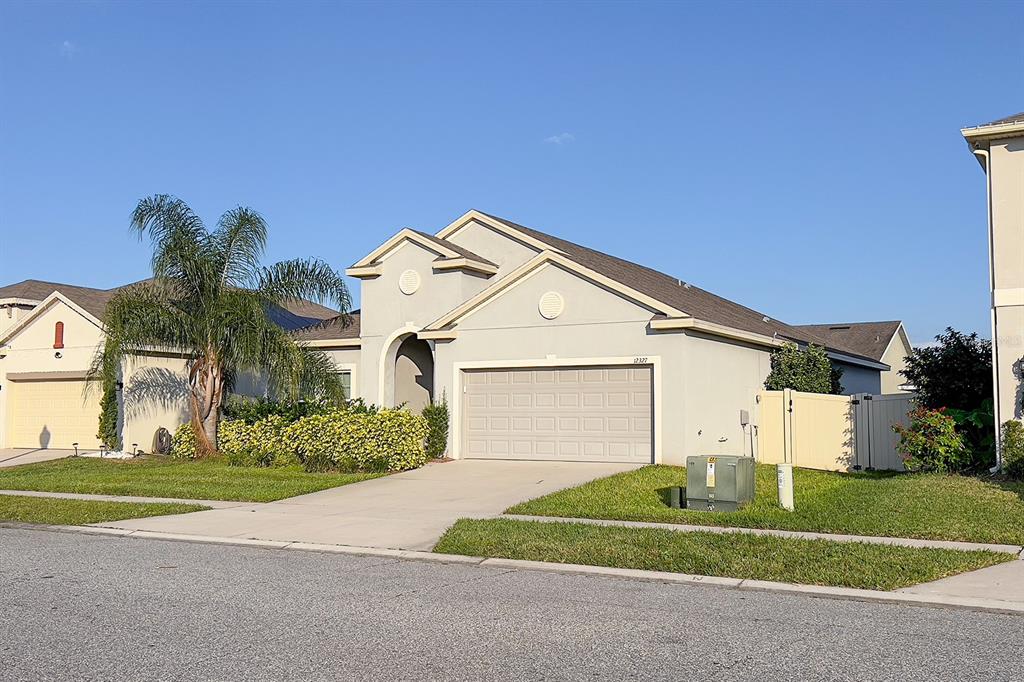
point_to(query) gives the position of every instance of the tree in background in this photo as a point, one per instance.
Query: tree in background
(210, 300)
(956, 374)
(808, 370)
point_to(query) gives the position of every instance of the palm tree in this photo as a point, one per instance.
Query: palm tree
(211, 300)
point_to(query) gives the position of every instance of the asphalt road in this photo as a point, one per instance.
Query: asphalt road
(89, 607)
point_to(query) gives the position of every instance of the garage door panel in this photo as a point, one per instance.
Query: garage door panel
(584, 414)
(52, 414)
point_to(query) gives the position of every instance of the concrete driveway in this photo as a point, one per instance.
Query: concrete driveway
(403, 511)
(12, 457)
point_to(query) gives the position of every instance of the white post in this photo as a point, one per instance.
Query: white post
(784, 474)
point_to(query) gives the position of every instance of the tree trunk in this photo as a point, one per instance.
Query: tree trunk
(207, 381)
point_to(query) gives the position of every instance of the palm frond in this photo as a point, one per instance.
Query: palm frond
(310, 279)
(180, 241)
(240, 240)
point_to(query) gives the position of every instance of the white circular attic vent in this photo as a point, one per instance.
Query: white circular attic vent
(409, 282)
(551, 305)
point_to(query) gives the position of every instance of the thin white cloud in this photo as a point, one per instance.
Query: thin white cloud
(561, 138)
(68, 49)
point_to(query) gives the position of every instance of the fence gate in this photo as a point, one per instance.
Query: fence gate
(873, 418)
(830, 432)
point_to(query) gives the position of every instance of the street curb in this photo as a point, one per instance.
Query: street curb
(743, 585)
(132, 499)
(799, 535)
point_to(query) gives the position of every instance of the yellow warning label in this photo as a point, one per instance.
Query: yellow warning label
(711, 472)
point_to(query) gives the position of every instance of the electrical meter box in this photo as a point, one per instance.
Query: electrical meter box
(719, 482)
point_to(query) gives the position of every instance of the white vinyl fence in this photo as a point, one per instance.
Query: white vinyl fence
(830, 432)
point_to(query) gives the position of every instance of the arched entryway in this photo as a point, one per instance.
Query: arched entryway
(412, 373)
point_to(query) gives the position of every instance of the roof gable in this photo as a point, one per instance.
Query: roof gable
(449, 255)
(54, 299)
(671, 292)
(870, 339)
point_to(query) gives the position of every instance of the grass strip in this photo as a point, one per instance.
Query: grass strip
(809, 562)
(63, 512)
(928, 506)
(184, 479)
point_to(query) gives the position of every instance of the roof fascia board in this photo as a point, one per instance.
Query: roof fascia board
(333, 343)
(713, 329)
(854, 360)
(473, 215)
(994, 132)
(465, 264)
(365, 272)
(14, 300)
(532, 265)
(45, 305)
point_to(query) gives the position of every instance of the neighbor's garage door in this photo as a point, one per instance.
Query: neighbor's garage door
(52, 414)
(587, 414)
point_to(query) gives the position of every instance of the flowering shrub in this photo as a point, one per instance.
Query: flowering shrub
(1012, 446)
(386, 440)
(931, 442)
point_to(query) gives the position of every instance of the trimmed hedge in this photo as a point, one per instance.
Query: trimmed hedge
(388, 440)
(436, 415)
(385, 440)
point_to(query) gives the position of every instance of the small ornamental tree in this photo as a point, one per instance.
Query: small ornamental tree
(956, 374)
(807, 370)
(931, 442)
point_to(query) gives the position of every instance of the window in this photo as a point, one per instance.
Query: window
(346, 383)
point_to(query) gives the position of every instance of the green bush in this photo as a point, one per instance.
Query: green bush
(1012, 446)
(184, 444)
(261, 444)
(252, 410)
(108, 433)
(386, 440)
(436, 415)
(808, 370)
(931, 442)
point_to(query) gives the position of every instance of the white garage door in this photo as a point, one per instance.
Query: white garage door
(52, 414)
(585, 414)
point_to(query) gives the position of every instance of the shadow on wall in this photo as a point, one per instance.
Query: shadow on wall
(44, 438)
(156, 391)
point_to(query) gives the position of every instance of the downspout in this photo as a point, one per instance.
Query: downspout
(984, 154)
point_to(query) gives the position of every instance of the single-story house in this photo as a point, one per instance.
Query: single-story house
(49, 334)
(886, 342)
(545, 349)
(999, 148)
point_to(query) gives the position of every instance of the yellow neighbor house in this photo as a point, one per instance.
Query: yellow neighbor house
(999, 148)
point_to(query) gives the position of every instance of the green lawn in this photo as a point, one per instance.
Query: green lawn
(188, 479)
(930, 506)
(811, 562)
(79, 512)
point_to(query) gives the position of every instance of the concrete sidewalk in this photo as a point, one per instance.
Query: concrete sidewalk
(12, 457)
(1002, 582)
(410, 510)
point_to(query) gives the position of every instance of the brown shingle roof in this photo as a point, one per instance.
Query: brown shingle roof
(1015, 118)
(333, 328)
(296, 314)
(690, 299)
(869, 339)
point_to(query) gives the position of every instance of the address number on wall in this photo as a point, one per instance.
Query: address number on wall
(640, 360)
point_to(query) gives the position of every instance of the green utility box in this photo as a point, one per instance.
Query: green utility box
(719, 482)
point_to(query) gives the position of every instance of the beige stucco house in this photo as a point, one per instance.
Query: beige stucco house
(546, 349)
(999, 148)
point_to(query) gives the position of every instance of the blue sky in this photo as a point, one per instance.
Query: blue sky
(801, 159)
